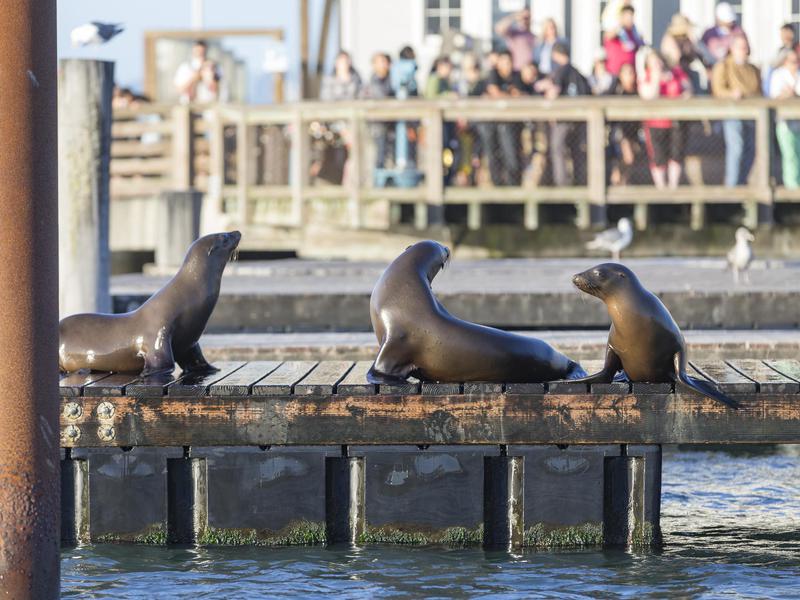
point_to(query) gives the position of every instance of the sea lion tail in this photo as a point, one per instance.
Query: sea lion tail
(708, 389)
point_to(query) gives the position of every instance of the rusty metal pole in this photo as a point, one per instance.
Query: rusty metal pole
(29, 400)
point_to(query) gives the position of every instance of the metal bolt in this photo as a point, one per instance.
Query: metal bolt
(106, 433)
(72, 410)
(105, 410)
(72, 432)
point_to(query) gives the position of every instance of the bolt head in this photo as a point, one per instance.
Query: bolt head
(72, 410)
(105, 410)
(72, 432)
(106, 433)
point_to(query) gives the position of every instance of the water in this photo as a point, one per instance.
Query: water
(731, 525)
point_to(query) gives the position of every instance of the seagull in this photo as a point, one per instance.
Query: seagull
(741, 255)
(94, 33)
(613, 240)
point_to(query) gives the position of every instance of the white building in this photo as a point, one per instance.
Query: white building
(368, 26)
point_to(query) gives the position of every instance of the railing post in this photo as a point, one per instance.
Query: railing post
(298, 168)
(433, 207)
(244, 148)
(181, 147)
(354, 176)
(29, 402)
(178, 226)
(596, 170)
(759, 209)
(216, 161)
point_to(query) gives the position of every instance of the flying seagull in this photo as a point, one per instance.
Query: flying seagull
(613, 240)
(741, 255)
(94, 33)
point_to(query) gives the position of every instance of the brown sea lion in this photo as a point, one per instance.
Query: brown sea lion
(644, 340)
(419, 338)
(163, 330)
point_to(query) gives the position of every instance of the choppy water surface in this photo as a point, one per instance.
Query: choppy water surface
(731, 524)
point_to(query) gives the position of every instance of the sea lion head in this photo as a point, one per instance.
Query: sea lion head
(603, 281)
(429, 257)
(213, 250)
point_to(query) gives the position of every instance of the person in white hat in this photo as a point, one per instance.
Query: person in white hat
(717, 39)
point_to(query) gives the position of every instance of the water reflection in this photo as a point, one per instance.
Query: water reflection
(731, 523)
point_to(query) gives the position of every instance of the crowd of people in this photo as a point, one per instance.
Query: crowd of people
(538, 64)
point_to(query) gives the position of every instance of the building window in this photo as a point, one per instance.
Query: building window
(442, 16)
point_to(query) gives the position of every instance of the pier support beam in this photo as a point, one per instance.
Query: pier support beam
(179, 226)
(502, 502)
(187, 499)
(74, 501)
(344, 499)
(632, 497)
(29, 399)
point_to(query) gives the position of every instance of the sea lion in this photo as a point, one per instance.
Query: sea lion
(644, 340)
(419, 338)
(163, 330)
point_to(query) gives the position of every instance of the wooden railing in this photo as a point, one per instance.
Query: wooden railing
(160, 147)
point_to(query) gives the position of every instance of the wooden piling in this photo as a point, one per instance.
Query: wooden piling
(178, 226)
(632, 499)
(502, 502)
(344, 499)
(74, 501)
(85, 88)
(187, 499)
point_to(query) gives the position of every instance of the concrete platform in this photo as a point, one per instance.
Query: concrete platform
(580, 345)
(298, 295)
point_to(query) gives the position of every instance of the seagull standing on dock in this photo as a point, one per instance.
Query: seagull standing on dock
(741, 255)
(94, 33)
(613, 240)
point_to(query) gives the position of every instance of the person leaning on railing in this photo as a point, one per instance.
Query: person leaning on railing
(503, 145)
(735, 78)
(785, 83)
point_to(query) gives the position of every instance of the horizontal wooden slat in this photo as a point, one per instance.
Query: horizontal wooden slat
(141, 166)
(197, 384)
(138, 149)
(126, 129)
(726, 378)
(113, 385)
(241, 381)
(412, 386)
(788, 368)
(323, 379)
(283, 379)
(683, 417)
(355, 382)
(768, 379)
(153, 386)
(139, 186)
(74, 383)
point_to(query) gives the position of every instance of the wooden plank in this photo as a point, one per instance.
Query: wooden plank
(197, 384)
(282, 380)
(768, 380)
(786, 367)
(724, 376)
(435, 388)
(412, 386)
(323, 378)
(682, 417)
(241, 381)
(136, 149)
(74, 383)
(570, 387)
(113, 385)
(140, 166)
(355, 382)
(153, 386)
(135, 129)
(482, 387)
(525, 388)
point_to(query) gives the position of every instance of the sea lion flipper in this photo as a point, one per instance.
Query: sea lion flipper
(192, 360)
(386, 369)
(612, 365)
(701, 386)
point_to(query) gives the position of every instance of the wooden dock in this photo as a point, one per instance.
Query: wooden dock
(276, 453)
